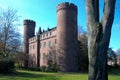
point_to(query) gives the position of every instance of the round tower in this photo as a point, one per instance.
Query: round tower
(67, 36)
(29, 31)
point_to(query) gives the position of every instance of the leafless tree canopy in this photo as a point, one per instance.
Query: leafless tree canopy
(9, 36)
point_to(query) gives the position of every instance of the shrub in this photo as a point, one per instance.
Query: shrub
(52, 66)
(7, 66)
(34, 68)
(43, 68)
(7, 63)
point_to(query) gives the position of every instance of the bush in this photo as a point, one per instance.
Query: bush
(52, 67)
(34, 68)
(7, 63)
(7, 66)
(43, 68)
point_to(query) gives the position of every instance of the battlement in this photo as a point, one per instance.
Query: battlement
(29, 22)
(66, 5)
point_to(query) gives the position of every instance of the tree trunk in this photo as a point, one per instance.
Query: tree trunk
(99, 33)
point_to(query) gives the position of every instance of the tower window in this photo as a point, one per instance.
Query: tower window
(55, 41)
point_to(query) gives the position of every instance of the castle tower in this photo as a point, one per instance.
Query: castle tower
(29, 31)
(67, 36)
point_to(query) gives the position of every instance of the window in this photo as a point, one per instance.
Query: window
(44, 44)
(43, 35)
(33, 46)
(55, 41)
(50, 55)
(50, 33)
(43, 57)
(46, 34)
(50, 44)
(30, 47)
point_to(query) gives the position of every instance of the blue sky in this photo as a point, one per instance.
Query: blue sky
(44, 13)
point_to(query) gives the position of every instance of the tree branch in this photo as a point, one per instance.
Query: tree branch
(92, 7)
(108, 15)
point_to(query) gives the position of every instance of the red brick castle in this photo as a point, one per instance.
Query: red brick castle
(63, 38)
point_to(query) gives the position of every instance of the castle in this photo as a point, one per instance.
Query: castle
(63, 38)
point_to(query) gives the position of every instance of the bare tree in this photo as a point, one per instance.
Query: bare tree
(112, 57)
(52, 56)
(118, 51)
(82, 36)
(118, 56)
(82, 49)
(99, 33)
(9, 36)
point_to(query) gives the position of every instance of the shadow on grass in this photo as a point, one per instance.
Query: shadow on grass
(32, 75)
(114, 71)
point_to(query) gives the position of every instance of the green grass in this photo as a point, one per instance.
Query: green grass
(35, 75)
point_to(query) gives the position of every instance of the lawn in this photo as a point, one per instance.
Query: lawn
(35, 75)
